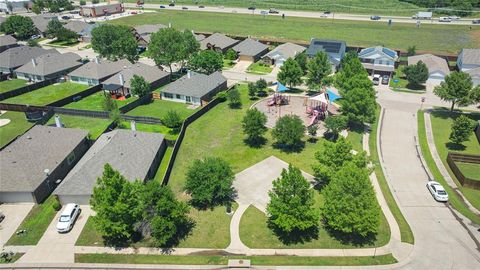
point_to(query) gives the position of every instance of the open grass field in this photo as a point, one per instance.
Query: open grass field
(470, 170)
(48, 94)
(441, 124)
(8, 85)
(159, 108)
(432, 38)
(35, 223)
(453, 198)
(94, 126)
(17, 126)
(223, 260)
(259, 68)
(95, 101)
(169, 133)
(381, 7)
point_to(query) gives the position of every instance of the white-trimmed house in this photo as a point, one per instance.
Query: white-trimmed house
(437, 67)
(378, 60)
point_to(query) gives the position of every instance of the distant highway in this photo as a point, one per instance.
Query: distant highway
(304, 14)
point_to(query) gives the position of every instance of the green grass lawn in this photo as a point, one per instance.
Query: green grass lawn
(223, 260)
(429, 37)
(441, 124)
(8, 85)
(17, 126)
(169, 133)
(162, 168)
(94, 126)
(356, 139)
(95, 102)
(48, 94)
(158, 109)
(36, 223)
(259, 68)
(406, 233)
(64, 43)
(453, 198)
(403, 83)
(227, 64)
(469, 170)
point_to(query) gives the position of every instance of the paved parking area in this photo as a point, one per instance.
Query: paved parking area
(14, 215)
(253, 184)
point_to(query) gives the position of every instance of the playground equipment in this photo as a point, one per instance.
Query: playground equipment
(279, 99)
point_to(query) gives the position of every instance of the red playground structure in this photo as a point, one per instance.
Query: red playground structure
(279, 99)
(317, 111)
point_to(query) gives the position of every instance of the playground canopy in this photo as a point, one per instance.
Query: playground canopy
(281, 87)
(332, 96)
(322, 98)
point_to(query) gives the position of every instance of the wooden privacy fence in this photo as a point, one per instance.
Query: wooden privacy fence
(452, 158)
(26, 89)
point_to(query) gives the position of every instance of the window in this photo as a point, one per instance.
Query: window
(178, 96)
(167, 95)
(71, 158)
(188, 99)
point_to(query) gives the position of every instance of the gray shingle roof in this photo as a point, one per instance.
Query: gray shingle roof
(198, 85)
(471, 56)
(23, 162)
(40, 23)
(218, 40)
(286, 50)
(474, 72)
(250, 47)
(18, 56)
(433, 63)
(7, 40)
(149, 73)
(199, 37)
(76, 26)
(129, 152)
(51, 63)
(100, 70)
(148, 28)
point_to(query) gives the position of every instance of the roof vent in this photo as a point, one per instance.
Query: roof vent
(28, 137)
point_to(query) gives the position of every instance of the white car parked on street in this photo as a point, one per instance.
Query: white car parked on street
(68, 217)
(437, 191)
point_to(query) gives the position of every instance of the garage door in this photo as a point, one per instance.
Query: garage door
(78, 199)
(16, 197)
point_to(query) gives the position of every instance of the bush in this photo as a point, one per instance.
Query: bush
(83, 2)
(462, 127)
(252, 90)
(172, 119)
(32, 43)
(261, 84)
(56, 205)
(222, 96)
(234, 100)
(289, 130)
(253, 124)
(335, 124)
(230, 54)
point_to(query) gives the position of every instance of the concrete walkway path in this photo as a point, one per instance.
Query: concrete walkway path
(236, 244)
(440, 165)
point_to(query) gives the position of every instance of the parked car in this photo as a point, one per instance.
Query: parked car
(376, 79)
(327, 12)
(2, 217)
(171, 4)
(35, 37)
(273, 11)
(375, 18)
(385, 79)
(437, 191)
(66, 17)
(476, 21)
(162, 6)
(445, 19)
(184, 8)
(201, 6)
(68, 217)
(251, 8)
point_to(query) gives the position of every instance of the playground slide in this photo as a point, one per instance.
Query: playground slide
(314, 118)
(271, 102)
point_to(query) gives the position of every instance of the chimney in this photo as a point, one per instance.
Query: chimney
(120, 77)
(133, 125)
(34, 63)
(189, 74)
(96, 59)
(58, 121)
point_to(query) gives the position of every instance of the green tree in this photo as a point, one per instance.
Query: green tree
(351, 67)
(114, 42)
(95, 1)
(108, 103)
(65, 34)
(416, 74)
(457, 88)
(261, 85)
(32, 43)
(234, 99)
(253, 124)
(36, 9)
(209, 182)
(335, 124)
(411, 50)
(290, 73)
(168, 46)
(462, 127)
(350, 206)
(172, 119)
(20, 26)
(312, 130)
(318, 70)
(83, 2)
(288, 131)
(116, 204)
(206, 62)
(359, 105)
(252, 90)
(230, 54)
(291, 211)
(163, 215)
(332, 158)
(53, 27)
(139, 86)
(302, 60)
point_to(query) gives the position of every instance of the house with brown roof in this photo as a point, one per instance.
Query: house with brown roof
(437, 67)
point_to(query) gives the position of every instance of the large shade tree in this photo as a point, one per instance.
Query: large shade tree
(290, 73)
(20, 26)
(458, 89)
(319, 68)
(114, 42)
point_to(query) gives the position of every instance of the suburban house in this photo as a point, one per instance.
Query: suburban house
(33, 165)
(195, 88)
(468, 59)
(437, 67)
(142, 33)
(101, 9)
(97, 71)
(136, 155)
(83, 29)
(119, 84)
(16, 57)
(475, 75)
(281, 53)
(250, 50)
(335, 50)
(48, 66)
(7, 42)
(199, 37)
(218, 42)
(378, 60)
(15, 5)
(41, 23)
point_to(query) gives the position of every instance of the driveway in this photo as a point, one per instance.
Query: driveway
(54, 247)
(14, 215)
(241, 66)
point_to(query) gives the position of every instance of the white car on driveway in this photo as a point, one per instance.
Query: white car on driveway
(68, 217)
(437, 191)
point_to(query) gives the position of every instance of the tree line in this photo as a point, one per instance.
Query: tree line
(449, 7)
